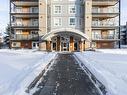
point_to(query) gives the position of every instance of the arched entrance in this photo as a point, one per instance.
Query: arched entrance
(65, 40)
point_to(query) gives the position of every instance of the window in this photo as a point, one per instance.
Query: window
(72, 9)
(72, 21)
(34, 22)
(19, 22)
(35, 45)
(57, 9)
(34, 32)
(57, 21)
(18, 9)
(34, 10)
(80, 21)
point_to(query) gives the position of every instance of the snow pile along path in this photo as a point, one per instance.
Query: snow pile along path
(109, 68)
(18, 68)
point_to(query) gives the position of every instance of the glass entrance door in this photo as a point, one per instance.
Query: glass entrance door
(64, 44)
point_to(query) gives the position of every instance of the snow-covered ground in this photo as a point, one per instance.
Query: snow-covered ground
(110, 67)
(18, 68)
(114, 51)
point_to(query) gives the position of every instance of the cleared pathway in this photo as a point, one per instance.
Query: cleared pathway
(66, 78)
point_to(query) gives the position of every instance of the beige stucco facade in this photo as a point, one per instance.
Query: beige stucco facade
(88, 21)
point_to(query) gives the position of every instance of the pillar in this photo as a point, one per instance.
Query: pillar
(81, 46)
(88, 21)
(71, 48)
(48, 45)
(58, 43)
(42, 46)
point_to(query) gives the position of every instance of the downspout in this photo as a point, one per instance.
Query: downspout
(10, 25)
(119, 23)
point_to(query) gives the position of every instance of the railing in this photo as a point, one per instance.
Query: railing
(21, 11)
(104, 24)
(25, 37)
(98, 37)
(25, 25)
(105, 10)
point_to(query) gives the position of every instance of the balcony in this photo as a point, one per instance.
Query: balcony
(25, 37)
(25, 13)
(25, 26)
(104, 25)
(104, 2)
(25, 2)
(109, 12)
(99, 37)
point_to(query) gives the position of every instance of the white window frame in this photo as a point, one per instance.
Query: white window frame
(70, 9)
(59, 22)
(58, 11)
(70, 22)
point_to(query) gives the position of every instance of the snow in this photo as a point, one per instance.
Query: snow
(18, 68)
(109, 66)
(114, 51)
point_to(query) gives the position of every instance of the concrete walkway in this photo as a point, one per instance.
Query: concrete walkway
(66, 78)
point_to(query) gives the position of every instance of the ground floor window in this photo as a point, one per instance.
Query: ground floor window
(35, 45)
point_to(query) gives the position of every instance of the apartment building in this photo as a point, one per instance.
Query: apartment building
(105, 23)
(64, 25)
(24, 21)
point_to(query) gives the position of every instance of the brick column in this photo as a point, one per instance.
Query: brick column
(58, 43)
(71, 48)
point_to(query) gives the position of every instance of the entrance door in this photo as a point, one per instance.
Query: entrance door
(76, 46)
(54, 46)
(64, 46)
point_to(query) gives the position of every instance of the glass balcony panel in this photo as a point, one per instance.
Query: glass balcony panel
(28, 10)
(105, 10)
(104, 2)
(103, 23)
(25, 37)
(99, 37)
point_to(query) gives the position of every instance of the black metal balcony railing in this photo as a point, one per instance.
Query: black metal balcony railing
(99, 37)
(25, 37)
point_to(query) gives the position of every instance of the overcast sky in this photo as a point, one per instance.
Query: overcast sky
(4, 13)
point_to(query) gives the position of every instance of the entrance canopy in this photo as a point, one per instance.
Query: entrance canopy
(68, 31)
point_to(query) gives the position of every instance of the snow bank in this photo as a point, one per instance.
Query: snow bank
(19, 67)
(110, 69)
